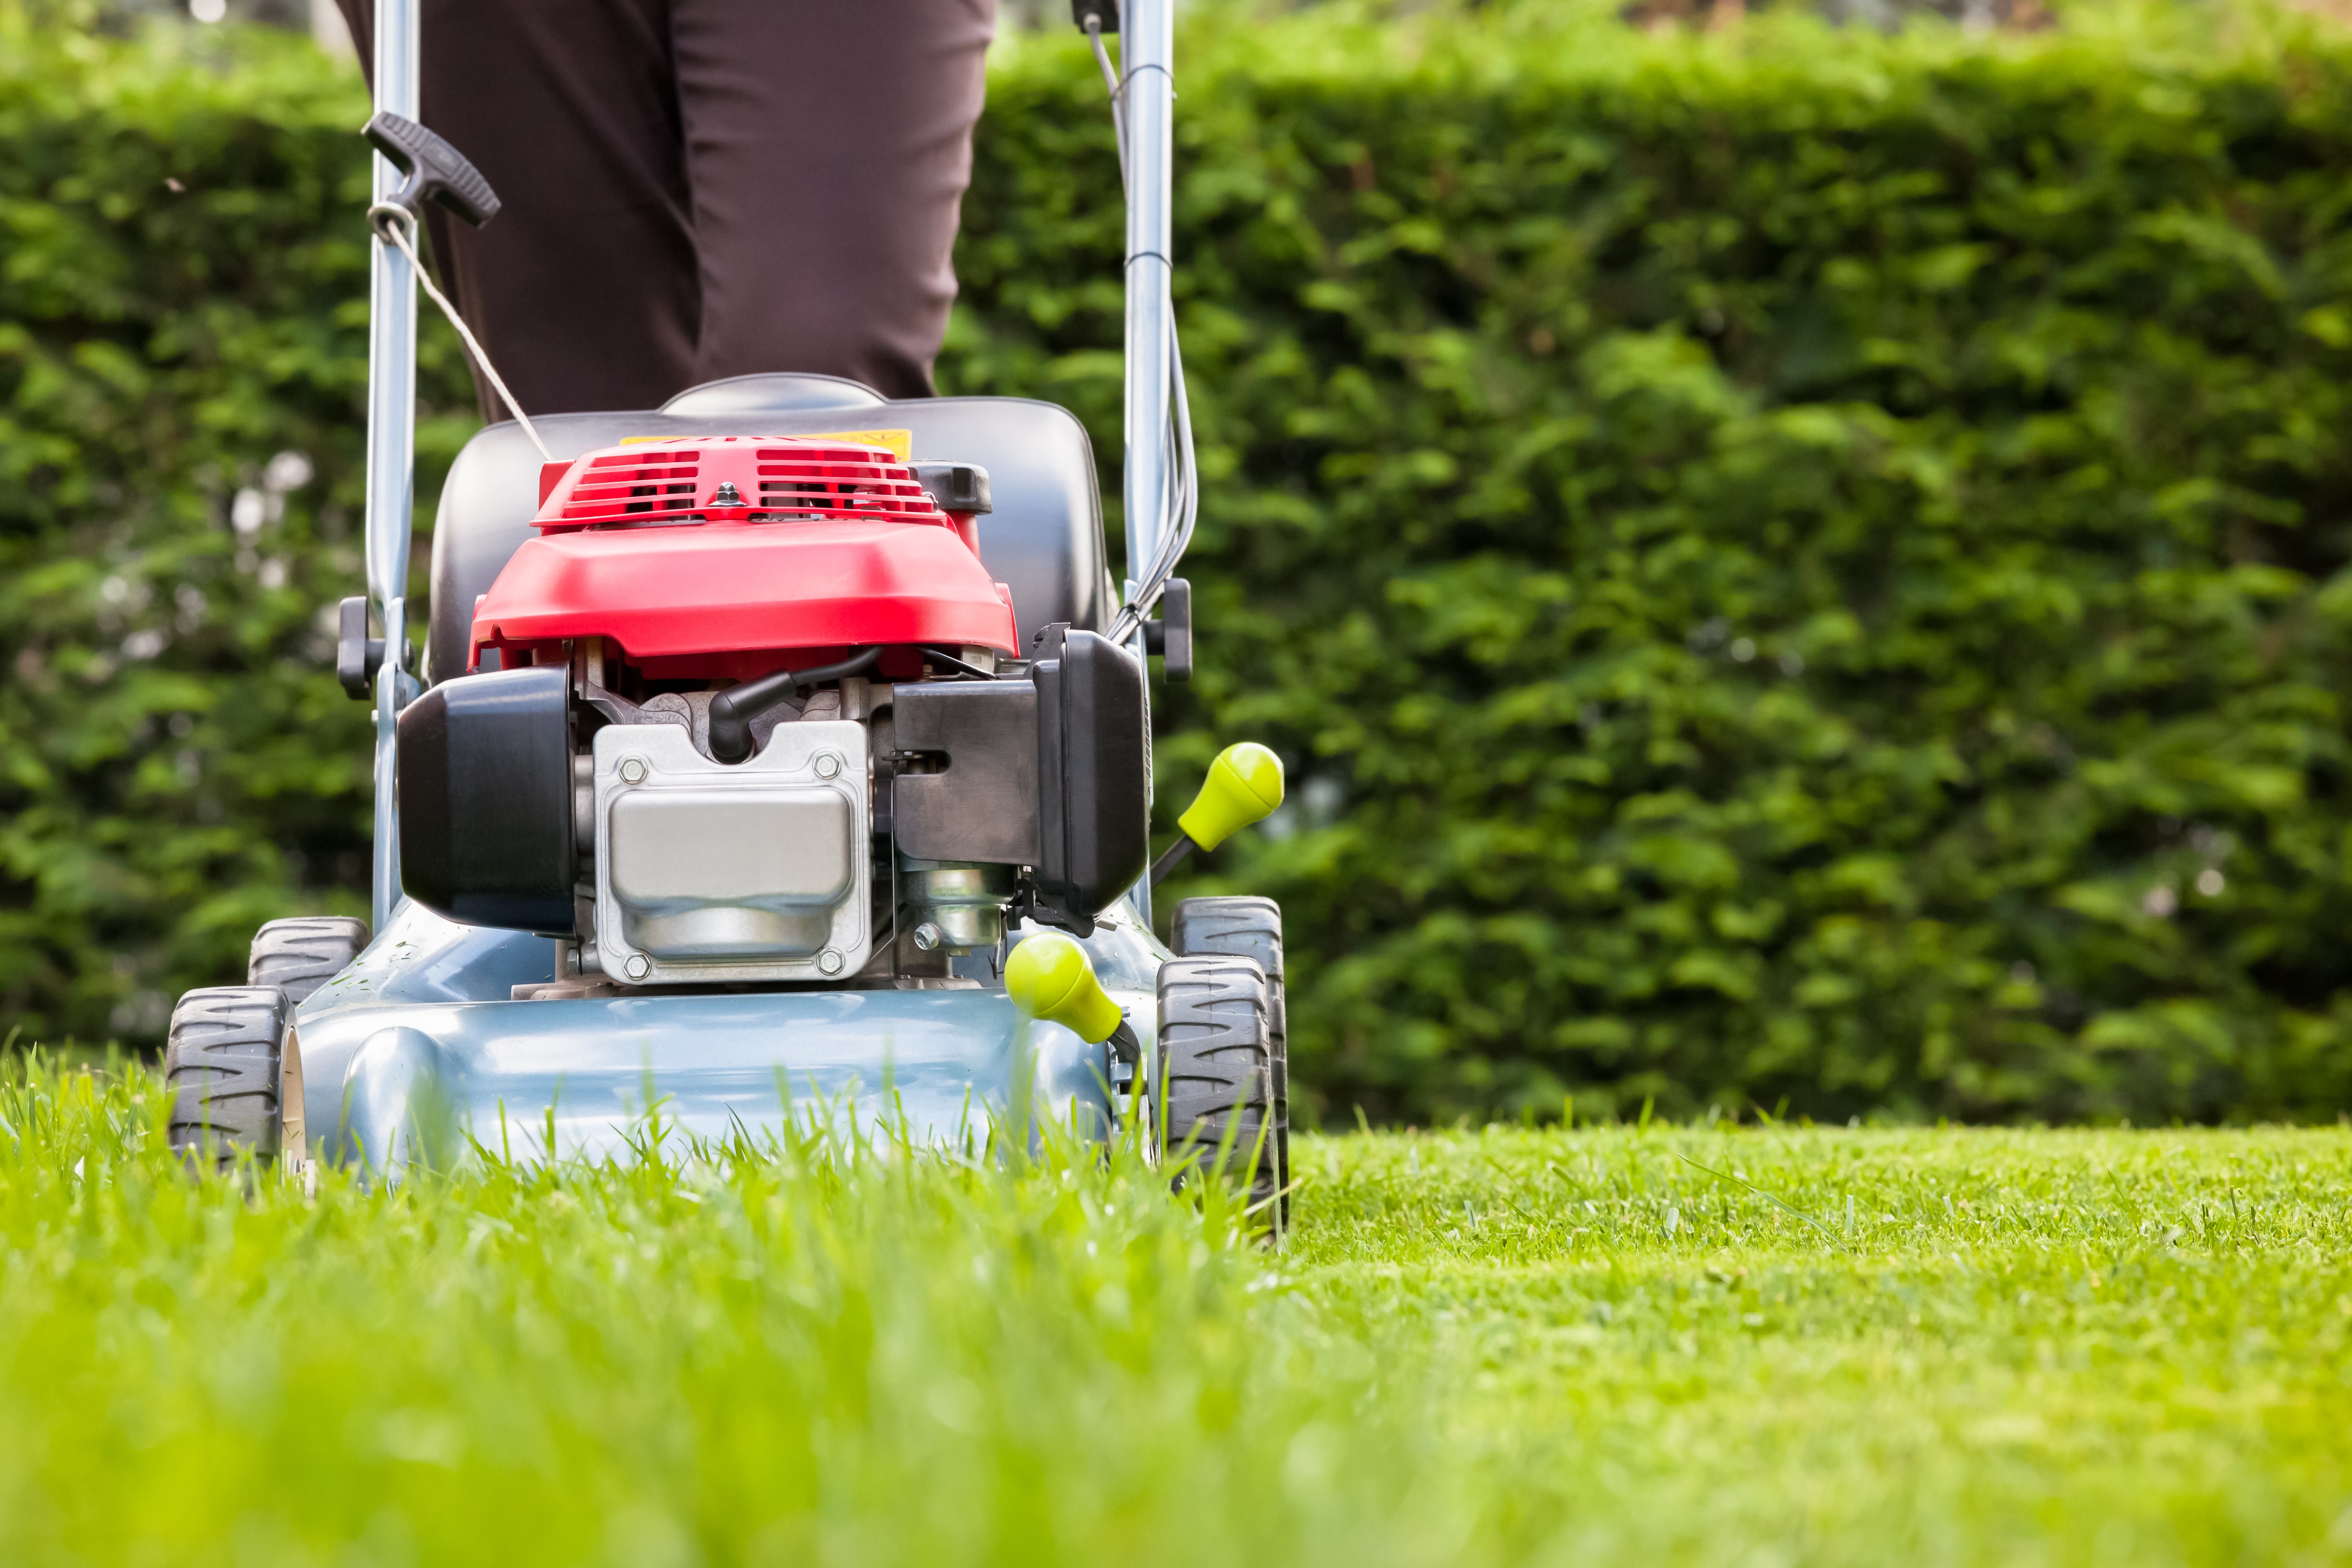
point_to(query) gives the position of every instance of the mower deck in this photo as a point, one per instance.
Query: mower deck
(417, 1046)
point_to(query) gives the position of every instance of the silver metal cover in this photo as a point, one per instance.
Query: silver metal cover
(708, 872)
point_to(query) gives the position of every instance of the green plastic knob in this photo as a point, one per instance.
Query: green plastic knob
(1244, 784)
(1048, 977)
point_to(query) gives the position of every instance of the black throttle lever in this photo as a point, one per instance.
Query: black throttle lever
(436, 170)
(1171, 635)
(359, 655)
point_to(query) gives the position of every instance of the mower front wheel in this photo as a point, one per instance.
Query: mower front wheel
(302, 955)
(1248, 928)
(1215, 1075)
(233, 1069)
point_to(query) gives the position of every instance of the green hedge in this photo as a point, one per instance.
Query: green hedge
(1798, 568)
(182, 298)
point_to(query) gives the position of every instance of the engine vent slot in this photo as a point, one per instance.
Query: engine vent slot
(627, 486)
(735, 479)
(813, 480)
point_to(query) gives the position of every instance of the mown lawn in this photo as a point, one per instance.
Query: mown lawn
(1754, 1346)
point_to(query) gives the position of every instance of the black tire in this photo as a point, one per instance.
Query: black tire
(300, 955)
(235, 1072)
(1249, 928)
(1215, 1077)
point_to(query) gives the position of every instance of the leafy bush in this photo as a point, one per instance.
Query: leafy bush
(1802, 568)
(183, 374)
(1809, 569)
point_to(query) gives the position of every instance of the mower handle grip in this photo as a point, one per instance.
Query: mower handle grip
(436, 170)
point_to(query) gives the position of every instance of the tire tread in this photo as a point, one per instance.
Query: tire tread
(301, 954)
(1249, 927)
(1215, 1063)
(223, 1065)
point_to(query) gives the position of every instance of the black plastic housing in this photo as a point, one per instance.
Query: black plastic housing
(984, 806)
(484, 800)
(1048, 771)
(959, 490)
(1094, 770)
(357, 655)
(1171, 635)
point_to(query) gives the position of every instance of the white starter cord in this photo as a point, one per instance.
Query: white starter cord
(393, 223)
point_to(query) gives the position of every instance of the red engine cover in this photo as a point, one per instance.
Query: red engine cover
(693, 553)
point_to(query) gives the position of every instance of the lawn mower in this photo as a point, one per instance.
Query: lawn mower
(781, 750)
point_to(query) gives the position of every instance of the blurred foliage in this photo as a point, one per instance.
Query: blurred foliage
(183, 378)
(1797, 567)
(1788, 567)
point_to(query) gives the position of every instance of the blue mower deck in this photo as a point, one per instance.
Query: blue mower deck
(417, 1047)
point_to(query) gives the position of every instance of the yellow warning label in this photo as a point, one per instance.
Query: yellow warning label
(900, 442)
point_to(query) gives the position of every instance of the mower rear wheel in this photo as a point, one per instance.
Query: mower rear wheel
(1248, 928)
(302, 955)
(1217, 1082)
(235, 1071)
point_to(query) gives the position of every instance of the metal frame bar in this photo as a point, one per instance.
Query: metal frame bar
(1147, 44)
(391, 442)
(1146, 49)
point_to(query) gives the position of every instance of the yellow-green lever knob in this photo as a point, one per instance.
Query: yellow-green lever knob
(1243, 785)
(1048, 977)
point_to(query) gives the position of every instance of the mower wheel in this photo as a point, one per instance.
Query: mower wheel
(1248, 928)
(235, 1071)
(300, 955)
(1217, 1082)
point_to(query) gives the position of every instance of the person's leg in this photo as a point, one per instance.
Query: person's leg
(585, 288)
(828, 146)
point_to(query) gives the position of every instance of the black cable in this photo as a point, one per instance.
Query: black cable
(940, 656)
(732, 710)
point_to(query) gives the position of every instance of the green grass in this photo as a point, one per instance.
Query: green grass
(1579, 1348)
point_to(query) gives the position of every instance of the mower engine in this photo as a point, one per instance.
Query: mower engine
(751, 709)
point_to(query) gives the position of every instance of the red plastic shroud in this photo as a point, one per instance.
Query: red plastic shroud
(719, 556)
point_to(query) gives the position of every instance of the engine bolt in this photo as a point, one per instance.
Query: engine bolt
(827, 764)
(928, 936)
(637, 966)
(829, 962)
(632, 772)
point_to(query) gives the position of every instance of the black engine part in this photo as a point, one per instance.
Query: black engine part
(732, 710)
(959, 490)
(983, 807)
(1048, 771)
(485, 794)
(1094, 771)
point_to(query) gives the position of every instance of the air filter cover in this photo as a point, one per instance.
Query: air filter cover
(484, 800)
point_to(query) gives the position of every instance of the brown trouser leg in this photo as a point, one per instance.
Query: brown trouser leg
(702, 188)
